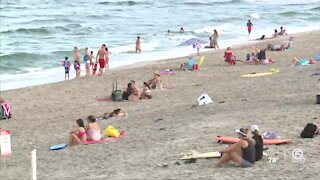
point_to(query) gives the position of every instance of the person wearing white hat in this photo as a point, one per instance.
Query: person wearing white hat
(258, 142)
(242, 152)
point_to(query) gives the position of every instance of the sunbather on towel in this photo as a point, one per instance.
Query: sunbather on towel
(92, 129)
(78, 135)
(242, 152)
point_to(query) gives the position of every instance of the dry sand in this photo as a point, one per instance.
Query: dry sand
(283, 102)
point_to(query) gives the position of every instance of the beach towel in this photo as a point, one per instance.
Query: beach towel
(122, 134)
(169, 86)
(103, 99)
(204, 99)
(168, 72)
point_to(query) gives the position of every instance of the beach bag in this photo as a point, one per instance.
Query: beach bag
(116, 94)
(5, 110)
(111, 132)
(308, 131)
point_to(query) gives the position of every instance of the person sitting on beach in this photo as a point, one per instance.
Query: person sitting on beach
(252, 58)
(211, 44)
(127, 92)
(242, 152)
(230, 57)
(135, 94)
(155, 82)
(261, 55)
(78, 135)
(275, 34)
(258, 142)
(92, 129)
(187, 65)
(146, 93)
(282, 31)
(114, 113)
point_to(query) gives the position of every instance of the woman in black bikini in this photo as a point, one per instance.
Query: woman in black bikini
(242, 152)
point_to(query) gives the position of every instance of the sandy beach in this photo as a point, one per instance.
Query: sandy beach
(158, 130)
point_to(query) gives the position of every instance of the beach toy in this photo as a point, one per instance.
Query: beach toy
(265, 141)
(58, 147)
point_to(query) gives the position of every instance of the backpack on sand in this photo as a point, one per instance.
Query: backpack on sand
(309, 131)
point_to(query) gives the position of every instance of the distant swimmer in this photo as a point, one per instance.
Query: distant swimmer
(181, 30)
(249, 26)
(107, 58)
(138, 45)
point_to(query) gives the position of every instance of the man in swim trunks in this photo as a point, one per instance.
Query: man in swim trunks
(249, 25)
(102, 58)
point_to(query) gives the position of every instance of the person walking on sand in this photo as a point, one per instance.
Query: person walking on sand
(66, 64)
(249, 26)
(86, 59)
(107, 58)
(77, 62)
(138, 45)
(101, 55)
(214, 39)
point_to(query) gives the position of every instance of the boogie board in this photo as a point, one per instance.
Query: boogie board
(265, 141)
(195, 155)
(58, 147)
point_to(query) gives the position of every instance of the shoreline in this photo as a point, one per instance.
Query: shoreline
(150, 62)
(160, 129)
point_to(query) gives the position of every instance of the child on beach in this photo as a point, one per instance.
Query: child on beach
(78, 135)
(198, 46)
(92, 129)
(77, 68)
(138, 45)
(107, 58)
(66, 64)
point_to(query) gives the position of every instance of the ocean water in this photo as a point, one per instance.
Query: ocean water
(37, 34)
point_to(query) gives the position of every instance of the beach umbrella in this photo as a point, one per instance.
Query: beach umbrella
(193, 41)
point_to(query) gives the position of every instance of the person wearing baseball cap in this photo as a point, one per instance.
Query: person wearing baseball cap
(258, 142)
(242, 152)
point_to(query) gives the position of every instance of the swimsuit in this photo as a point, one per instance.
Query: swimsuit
(80, 134)
(101, 63)
(248, 153)
(94, 135)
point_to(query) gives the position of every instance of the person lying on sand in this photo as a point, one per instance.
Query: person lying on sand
(146, 92)
(78, 135)
(114, 113)
(242, 152)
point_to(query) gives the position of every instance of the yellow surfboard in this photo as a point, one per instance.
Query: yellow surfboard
(257, 74)
(195, 155)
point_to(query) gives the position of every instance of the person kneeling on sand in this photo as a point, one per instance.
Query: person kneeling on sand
(92, 129)
(146, 92)
(155, 82)
(242, 152)
(258, 142)
(78, 135)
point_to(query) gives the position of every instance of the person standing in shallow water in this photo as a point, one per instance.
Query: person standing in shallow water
(101, 55)
(138, 45)
(86, 59)
(249, 26)
(77, 62)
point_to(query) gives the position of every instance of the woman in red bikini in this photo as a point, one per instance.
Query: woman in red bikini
(78, 135)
